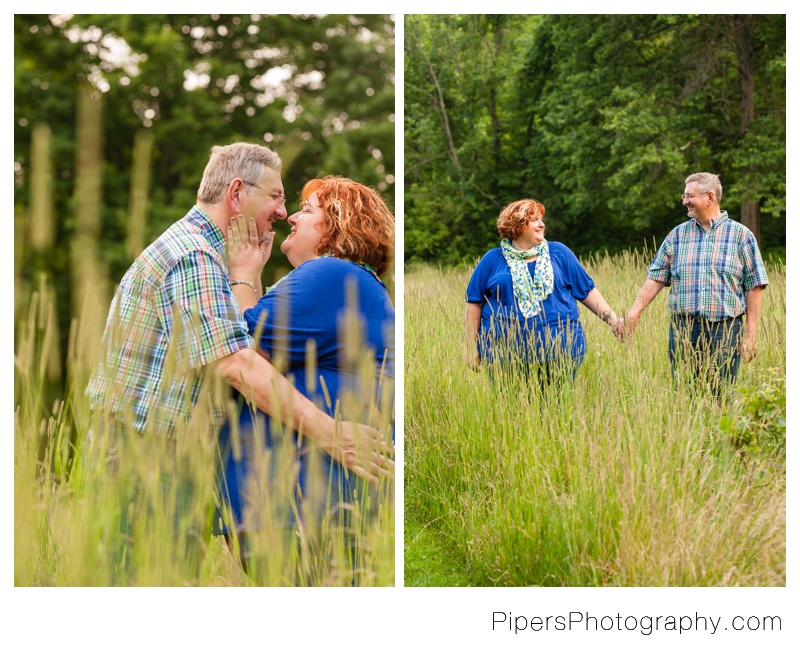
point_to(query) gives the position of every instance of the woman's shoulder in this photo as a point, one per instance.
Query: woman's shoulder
(491, 261)
(558, 248)
(492, 255)
(324, 268)
(561, 251)
(329, 263)
(329, 270)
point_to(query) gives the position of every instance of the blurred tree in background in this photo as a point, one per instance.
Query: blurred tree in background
(601, 118)
(165, 89)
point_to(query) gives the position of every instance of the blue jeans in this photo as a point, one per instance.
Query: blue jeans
(709, 351)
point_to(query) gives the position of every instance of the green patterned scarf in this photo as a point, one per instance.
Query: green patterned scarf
(529, 292)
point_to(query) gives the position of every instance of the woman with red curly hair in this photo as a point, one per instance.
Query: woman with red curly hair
(522, 310)
(341, 243)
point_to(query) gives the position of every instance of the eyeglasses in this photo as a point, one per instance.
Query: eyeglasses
(691, 197)
(281, 198)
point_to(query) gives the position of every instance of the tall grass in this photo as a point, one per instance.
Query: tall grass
(138, 509)
(627, 479)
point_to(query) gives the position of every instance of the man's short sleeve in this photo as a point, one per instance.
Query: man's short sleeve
(754, 273)
(199, 312)
(661, 267)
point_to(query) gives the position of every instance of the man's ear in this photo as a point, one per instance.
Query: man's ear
(234, 195)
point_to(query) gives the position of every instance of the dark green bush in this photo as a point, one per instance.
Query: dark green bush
(755, 425)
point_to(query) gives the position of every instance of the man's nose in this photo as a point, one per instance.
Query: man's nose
(280, 212)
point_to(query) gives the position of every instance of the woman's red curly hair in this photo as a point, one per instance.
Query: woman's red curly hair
(516, 216)
(357, 225)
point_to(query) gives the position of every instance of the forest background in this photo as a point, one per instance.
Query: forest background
(601, 118)
(115, 116)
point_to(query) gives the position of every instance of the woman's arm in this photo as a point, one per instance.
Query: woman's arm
(246, 297)
(579, 282)
(246, 259)
(360, 448)
(472, 324)
(597, 304)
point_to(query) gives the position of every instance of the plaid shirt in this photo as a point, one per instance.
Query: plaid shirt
(710, 270)
(173, 313)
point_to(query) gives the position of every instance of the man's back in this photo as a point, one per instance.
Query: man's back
(172, 314)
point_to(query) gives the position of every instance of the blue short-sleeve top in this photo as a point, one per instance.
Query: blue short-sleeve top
(310, 304)
(333, 303)
(506, 333)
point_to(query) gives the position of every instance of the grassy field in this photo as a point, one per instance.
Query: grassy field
(150, 522)
(628, 479)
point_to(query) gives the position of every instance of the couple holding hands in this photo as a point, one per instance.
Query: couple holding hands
(522, 311)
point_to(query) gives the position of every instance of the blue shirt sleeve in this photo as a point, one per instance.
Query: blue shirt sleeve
(477, 286)
(574, 276)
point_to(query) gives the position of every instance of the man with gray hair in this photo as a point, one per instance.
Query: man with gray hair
(174, 318)
(716, 275)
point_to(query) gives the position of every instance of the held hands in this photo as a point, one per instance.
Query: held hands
(622, 329)
(627, 325)
(617, 324)
(618, 328)
(246, 255)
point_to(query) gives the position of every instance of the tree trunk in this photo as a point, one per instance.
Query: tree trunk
(742, 32)
(749, 218)
(441, 110)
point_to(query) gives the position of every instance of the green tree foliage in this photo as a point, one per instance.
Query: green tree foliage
(317, 89)
(599, 117)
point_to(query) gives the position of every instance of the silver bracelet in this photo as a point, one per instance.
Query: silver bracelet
(247, 283)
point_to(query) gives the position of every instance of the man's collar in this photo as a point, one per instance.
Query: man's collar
(211, 231)
(718, 221)
(714, 223)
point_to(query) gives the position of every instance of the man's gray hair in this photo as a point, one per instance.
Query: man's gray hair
(244, 160)
(706, 182)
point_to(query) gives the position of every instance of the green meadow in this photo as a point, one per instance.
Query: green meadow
(139, 509)
(627, 479)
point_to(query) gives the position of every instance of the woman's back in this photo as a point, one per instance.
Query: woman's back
(345, 310)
